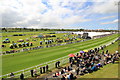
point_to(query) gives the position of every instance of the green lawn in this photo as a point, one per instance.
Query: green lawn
(18, 61)
(108, 71)
(112, 48)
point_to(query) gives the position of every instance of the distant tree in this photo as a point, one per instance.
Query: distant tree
(36, 29)
(4, 29)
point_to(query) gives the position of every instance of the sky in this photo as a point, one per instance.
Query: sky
(60, 14)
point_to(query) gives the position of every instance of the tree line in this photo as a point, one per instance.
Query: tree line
(46, 29)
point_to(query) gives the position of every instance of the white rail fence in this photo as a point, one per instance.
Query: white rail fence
(26, 71)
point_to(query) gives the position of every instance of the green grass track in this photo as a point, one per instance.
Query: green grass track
(27, 59)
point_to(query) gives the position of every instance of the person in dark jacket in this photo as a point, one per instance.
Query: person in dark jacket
(46, 67)
(71, 76)
(71, 64)
(106, 51)
(70, 59)
(77, 71)
(58, 63)
(63, 77)
(22, 76)
(65, 68)
(11, 74)
(40, 70)
(31, 73)
(62, 71)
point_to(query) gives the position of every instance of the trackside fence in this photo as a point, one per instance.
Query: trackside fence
(27, 73)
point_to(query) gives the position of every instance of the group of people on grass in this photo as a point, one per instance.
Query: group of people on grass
(87, 62)
(20, 45)
(37, 47)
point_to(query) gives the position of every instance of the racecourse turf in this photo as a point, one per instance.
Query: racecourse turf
(18, 61)
(109, 71)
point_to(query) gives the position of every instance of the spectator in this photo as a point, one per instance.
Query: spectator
(11, 74)
(40, 70)
(71, 76)
(68, 68)
(22, 76)
(62, 71)
(63, 78)
(31, 73)
(106, 51)
(35, 72)
(77, 71)
(71, 64)
(70, 59)
(46, 67)
(58, 63)
(54, 75)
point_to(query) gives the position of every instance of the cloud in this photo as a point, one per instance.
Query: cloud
(11, 17)
(107, 17)
(27, 13)
(51, 14)
(112, 22)
(105, 7)
(102, 7)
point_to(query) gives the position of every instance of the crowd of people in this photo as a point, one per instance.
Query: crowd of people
(87, 62)
(37, 47)
(20, 45)
(80, 64)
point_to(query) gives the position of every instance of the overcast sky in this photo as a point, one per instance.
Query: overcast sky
(68, 14)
